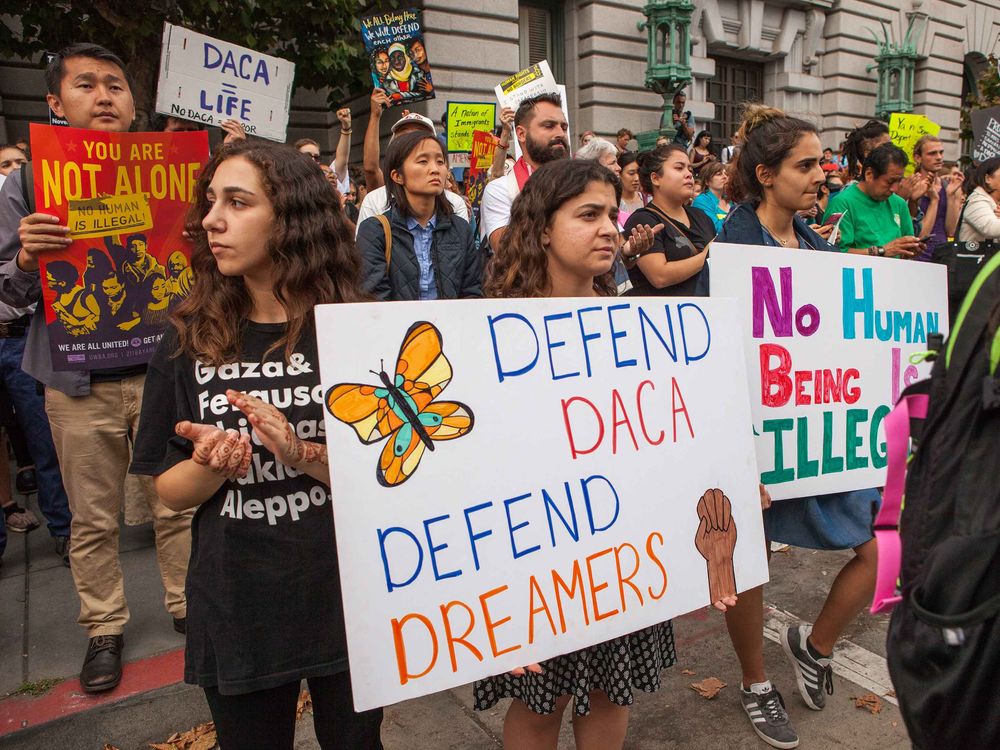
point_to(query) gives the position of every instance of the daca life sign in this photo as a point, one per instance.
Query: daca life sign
(208, 80)
(124, 197)
(986, 133)
(828, 338)
(524, 478)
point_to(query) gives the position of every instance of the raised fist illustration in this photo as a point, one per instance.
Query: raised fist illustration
(715, 540)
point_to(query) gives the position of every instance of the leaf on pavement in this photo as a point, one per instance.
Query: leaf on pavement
(688, 672)
(869, 701)
(109, 746)
(709, 687)
(891, 694)
(201, 737)
(305, 704)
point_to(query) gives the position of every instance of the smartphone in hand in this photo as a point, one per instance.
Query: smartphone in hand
(833, 218)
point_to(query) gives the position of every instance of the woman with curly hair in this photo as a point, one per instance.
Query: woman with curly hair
(563, 245)
(232, 424)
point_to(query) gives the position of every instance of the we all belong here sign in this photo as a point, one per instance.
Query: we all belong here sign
(516, 479)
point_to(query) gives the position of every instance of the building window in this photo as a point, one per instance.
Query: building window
(540, 27)
(735, 82)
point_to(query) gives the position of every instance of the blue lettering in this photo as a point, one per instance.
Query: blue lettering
(688, 359)
(550, 345)
(644, 320)
(615, 335)
(501, 373)
(433, 550)
(587, 336)
(474, 537)
(854, 305)
(382, 536)
(550, 508)
(590, 509)
(512, 528)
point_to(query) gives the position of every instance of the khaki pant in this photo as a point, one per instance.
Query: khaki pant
(92, 436)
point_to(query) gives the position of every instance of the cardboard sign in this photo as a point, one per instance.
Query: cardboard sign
(397, 54)
(484, 146)
(986, 133)
(828, 339)
(124, 197)
(464, 119)
(528, 477)
(208, 80)
(532, 81)
(905, 130)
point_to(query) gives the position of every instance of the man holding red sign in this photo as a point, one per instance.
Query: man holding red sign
(92, 411)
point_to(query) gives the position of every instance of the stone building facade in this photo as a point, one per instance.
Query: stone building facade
(809, 57)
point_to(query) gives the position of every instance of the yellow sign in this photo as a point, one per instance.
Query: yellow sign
(109, 215)
(906, 130)
(464, 118)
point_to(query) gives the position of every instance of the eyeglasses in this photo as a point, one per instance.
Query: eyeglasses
(314, 157)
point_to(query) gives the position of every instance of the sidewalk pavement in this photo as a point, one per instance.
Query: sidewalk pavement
(39, 640)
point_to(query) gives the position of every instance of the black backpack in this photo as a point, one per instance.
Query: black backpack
(944, 637)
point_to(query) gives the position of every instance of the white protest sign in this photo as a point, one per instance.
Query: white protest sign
(548, 498)
(828, 338)
(209, 80)
(532, 81)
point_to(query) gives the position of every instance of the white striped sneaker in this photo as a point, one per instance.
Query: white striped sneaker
(768, 718)
(813, 676)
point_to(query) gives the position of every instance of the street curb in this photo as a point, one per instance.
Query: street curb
(141, 677)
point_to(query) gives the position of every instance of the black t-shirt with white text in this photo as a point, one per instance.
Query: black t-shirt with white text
(263, 586)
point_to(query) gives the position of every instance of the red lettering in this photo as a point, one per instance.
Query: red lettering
(831, 386)
(801, 378)
(677, 396)
(566, 403)
(616, 421)
(642, 421)
(775, 385)
(851, 393)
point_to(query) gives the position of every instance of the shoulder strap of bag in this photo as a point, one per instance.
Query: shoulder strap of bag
(912, 404)
(387, 231)
(28, 187)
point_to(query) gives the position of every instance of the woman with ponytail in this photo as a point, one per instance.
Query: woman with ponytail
(777, 174)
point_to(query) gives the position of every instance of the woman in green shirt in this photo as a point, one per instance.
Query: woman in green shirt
(875, 220)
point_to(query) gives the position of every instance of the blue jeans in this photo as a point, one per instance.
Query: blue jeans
(30, 409)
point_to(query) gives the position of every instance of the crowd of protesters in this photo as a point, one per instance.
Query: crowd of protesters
(606, 221)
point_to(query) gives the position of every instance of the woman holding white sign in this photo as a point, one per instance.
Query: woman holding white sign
(263, 585)
(777, 174)
(564, 244)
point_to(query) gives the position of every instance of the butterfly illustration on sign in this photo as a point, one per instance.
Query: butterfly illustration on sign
(403, 408)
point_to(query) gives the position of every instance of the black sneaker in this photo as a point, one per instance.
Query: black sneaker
(102, 666)
(814, 676)
(180, 625)
(769, 719)
(26, 480)
(62, 549)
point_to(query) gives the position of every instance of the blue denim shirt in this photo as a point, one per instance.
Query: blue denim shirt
(423, 237)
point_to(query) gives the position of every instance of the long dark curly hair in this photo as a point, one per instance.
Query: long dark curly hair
(520, 265)
(311, 247)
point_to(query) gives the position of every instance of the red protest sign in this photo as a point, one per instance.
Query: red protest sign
(124, 197)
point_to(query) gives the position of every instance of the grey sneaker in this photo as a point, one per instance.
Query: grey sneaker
(769, 719)
(814, 676)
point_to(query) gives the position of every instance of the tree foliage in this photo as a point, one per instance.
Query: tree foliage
(321, 37)
(988, 95)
